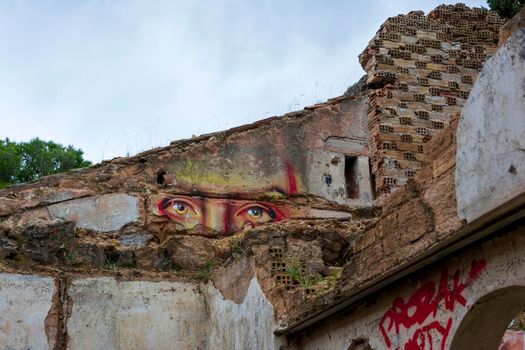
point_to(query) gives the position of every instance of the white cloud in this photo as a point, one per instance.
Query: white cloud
(117, 77)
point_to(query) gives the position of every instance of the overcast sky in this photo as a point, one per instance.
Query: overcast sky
(119, 77)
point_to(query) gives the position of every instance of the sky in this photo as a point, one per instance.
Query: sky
(115, 78)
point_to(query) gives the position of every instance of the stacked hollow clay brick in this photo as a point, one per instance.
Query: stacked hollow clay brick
(420, 70)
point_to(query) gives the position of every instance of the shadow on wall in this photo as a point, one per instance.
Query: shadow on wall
(360, 344)
(485, 324)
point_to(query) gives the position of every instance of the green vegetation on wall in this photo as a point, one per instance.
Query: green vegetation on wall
(28, 161)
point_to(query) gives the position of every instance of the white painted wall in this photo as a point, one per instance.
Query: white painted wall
(248, 325)
(111, 314)
(490, 163)
(25, 302)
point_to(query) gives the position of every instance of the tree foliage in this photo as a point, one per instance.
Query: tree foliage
(27, 161)
(506, 8)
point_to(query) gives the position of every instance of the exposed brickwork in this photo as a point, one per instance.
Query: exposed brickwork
(421, 69)
(420, 216)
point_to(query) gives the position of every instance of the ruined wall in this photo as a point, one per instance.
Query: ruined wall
(217, 241)
(110, 313)
(134, 209)
(467, 298)
(120, 253)
(421, 69)
(426, 311)
(420, 217)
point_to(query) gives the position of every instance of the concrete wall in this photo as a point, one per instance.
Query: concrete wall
(105, 313)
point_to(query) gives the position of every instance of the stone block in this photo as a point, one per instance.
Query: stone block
(8, 206)
(49, 195)
(135, 239)
(190, 252)
(8, 247)
(105, 213)
(43, 239)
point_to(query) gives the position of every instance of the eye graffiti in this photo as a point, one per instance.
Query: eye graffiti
(219, 214)
(215, 208)
(251, 215)
(185, 210)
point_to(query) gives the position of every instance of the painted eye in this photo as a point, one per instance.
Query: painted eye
(254, 212)
(180, 208)
(186, 211)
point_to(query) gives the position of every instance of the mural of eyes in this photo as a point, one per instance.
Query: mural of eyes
(251, 215)
(217, 214)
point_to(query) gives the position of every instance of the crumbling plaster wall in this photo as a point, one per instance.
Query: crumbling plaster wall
(105, 313)
(25, 305)
(419, 217)
(118, 245)
(426, 309)
(143, 209)
(126, 265)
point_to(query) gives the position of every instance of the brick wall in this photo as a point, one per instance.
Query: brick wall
(420, 71)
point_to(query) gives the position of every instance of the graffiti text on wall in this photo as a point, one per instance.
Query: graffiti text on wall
(412, 325)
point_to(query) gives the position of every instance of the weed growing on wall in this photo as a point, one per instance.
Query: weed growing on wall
(297, 272)
(206, 271)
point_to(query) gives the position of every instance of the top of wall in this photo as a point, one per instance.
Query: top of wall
(182, 145)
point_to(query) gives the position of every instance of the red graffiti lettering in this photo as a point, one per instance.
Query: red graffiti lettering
(415, 319)
(422, 338)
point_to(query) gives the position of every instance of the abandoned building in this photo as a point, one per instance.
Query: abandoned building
(391, 217)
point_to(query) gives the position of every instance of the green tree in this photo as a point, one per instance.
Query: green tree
(506, 8)
(27, 161)
(9, 162)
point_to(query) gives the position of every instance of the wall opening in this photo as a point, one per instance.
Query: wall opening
(160, 177)
(351, 177)
(360, 344)
(486, 325)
